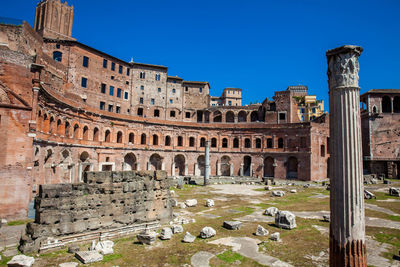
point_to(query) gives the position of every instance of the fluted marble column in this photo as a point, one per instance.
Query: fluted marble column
(347, 228)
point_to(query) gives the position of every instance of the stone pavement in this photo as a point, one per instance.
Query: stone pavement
(201, 259)
(10, 235)
(248, 247)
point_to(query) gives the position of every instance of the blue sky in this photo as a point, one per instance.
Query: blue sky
(259, 46)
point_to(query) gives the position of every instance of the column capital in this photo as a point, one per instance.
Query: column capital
(343, 66)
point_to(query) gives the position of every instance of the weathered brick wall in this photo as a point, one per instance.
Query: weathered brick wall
(106, 200)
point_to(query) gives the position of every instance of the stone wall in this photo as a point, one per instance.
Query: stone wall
(105, 201)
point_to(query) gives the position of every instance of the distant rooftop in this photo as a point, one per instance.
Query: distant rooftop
(10, 21)
(297, 88)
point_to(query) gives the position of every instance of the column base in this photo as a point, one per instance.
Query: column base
(353, 254)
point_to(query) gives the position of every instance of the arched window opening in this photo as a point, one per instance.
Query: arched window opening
(156, 162)
(57, 56)
(107, 136)
(129, 162)
(180, 141)
(270, 144)
(84, 156)
(191, 141)
(179, 161)
(213, 142)
(140, 112)
(374, 110)
(66, 129)
(386, 104)
(143, 139)
(202, 142)
(247, 143)
(254, 116)
(167, 140)
(119, 137)
(269, 167)
(85, 133)
(217, 116)
(224, 142)
(242, 116)
(280, 143)
(156, 113)
(236, 142)
(155, 140)
(51, 124)
(226, 166)
(59, 126)
(96, 134)
(292, 165)
(322, 150)
(76, 131)
(230, 117)
(258, 143)
(396, 104)
(131, 138)
(247, 166)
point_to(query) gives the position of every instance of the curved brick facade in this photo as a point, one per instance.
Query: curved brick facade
(53, 127)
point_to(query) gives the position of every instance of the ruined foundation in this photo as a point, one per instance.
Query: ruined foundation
(106, 205)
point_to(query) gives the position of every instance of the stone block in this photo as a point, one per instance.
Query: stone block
(209, 203)
(147, 237)
(261, 231)
(368, 194)
(394, 191)
(174, 202)
(232, 225)
(105, 247)
(278, 193)
(191, 202)
(177, 229)
(207, 232)
(271, 211)
(68, 264)
(275, 237)
(21, 261)
(88, 256)
(166, 233)
(188, 238)
(285, 219)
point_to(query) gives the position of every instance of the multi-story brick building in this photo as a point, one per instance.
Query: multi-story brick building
(67, 108)
(380, 121)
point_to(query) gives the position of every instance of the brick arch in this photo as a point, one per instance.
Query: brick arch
(242, 116)
(85, 132)
(96, 133)
(107, 135)
(76, 129)
(155, 139)
(131, 137)
(120, 137)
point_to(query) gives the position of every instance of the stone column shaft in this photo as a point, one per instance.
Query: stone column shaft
(207, 163)
(347, 227)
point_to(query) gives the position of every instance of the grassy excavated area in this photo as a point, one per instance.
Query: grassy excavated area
(306, 245)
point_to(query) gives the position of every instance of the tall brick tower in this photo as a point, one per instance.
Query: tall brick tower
(53, 19)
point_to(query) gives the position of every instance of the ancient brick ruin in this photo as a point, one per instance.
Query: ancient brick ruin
(105, 205)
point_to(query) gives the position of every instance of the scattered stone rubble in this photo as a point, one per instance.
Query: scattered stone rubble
(368, 194)
(147, 237)
(105, 247)
(105, 201)
(271, 211)
(394, 191)
(278, 193)
(275, 236)
(177, 229)
(207, 232)
(209, 203)
(261, 231)
(285, 220)
(189, 238)
(232, 225)
(166, 233)
(191, 202)
(21, 261)
(88, 256)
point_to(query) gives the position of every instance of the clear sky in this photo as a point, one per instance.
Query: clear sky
(260, 46)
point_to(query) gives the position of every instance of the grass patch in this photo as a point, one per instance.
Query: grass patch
(111, 257)
(394, 218)
(54, 254)
(259, 189)
(245, 209)
(229, 256)
(19, 222)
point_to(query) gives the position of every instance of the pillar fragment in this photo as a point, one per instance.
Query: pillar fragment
(347, 227)
(207, 163)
